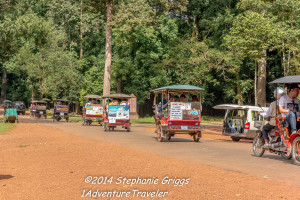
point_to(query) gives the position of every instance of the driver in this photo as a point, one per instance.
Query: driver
(271, 113)
(289, 106)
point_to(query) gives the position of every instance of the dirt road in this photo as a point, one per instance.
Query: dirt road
(49, 160)
(213, 150)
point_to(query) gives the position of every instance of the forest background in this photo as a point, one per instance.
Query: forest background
(231, 48)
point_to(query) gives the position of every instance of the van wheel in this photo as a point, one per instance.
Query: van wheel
(235, 139)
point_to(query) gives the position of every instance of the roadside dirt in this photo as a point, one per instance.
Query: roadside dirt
(39, 162)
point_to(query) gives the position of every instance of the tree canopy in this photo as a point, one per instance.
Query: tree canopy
(56, 49)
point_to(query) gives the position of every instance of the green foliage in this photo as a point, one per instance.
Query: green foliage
(211, 44)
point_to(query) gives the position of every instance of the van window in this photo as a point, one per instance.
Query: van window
(235, 121)
(234, 114)
(256, 116)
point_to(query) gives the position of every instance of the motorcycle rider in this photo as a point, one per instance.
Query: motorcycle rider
(289, 106)
(271, 113)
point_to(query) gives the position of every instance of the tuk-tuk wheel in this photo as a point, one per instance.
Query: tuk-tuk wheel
(258, 143)
(159, 133)
(196, 137)
(128, 129)
(286, 155)
(296, 150)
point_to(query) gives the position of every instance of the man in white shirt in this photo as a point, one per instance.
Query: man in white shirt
(289, 107)
(271, 113)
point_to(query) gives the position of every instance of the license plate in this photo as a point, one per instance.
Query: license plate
(41, 112)
(62, 114)
(112, 120)
(184, 128)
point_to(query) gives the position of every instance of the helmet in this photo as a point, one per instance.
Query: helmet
(279, 92)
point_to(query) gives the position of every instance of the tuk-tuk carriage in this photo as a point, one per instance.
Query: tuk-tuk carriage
(61, 109)
(93, 110)
(20, 106)
(38, 109)
(117, 111)
(177, 110)
(281, 140)
(10, 113)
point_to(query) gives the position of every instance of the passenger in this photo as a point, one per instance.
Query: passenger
(195, 99)
(176, 98)
(164, 102)
(271, 114)
(172, 99)
(182, 98)
(289, 106)
(93, 101)
(88, 103)
(114, 102)
(98, 102)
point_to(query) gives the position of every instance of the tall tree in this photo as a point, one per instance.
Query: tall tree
(108, 48)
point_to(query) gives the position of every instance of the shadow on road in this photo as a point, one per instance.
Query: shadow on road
(177, 140)
(2, 176)
(275, 157)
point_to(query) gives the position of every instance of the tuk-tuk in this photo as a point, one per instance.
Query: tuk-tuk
(93, 110)
(117, 111)
(240, 120)
(281, 140)
(10, 113)
(38, 109)
(177, 110)
(20, 106)
(61, 109)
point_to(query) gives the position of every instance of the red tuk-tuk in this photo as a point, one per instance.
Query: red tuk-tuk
(93, 110)
(117, 111)
(177, 110)
(281, 140)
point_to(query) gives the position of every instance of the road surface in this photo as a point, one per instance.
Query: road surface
(213, 149)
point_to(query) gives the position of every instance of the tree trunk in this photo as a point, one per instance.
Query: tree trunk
(296, 62)
(106, 82)
(81, 51)
(77, 108)
(3, 89)
(239, 90)
(288, 63)
(255, 83)
(119, 88)
(32, 94)
(261, 81)
(283, 60)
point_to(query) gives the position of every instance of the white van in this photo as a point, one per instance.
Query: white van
(239, 120)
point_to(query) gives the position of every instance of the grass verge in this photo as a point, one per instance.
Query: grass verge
(4, 127)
